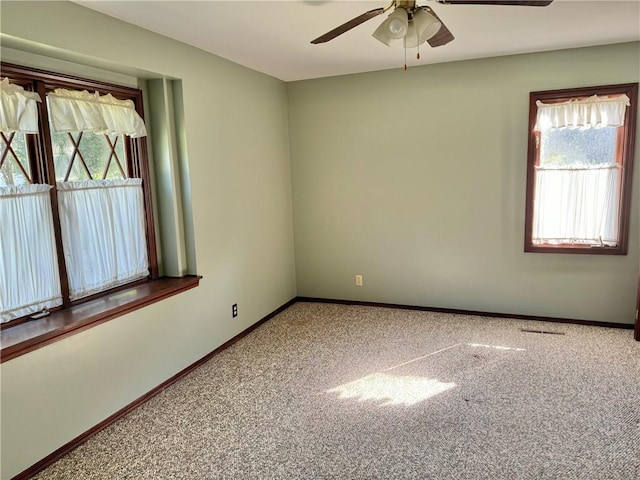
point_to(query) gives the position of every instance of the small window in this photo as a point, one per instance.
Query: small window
(579, 173)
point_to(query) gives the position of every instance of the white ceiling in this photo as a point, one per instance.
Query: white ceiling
(274, 36)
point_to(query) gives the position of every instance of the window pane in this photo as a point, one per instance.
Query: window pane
(119, 160)
(114, 171)
(573, 146)
(16, 168)
(90, 156)
(62, 153)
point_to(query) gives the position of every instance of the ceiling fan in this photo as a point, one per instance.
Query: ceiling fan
(415, 24)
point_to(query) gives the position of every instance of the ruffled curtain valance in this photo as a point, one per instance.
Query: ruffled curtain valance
(595, 111)
(18, 108)
(81, 111)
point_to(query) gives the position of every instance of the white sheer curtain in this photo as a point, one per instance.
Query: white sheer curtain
(577, 205)
(103, 234)
(29, 279)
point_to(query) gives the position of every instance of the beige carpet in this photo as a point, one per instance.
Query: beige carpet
(327, 391)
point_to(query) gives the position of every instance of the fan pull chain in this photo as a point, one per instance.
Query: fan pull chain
(405, 58)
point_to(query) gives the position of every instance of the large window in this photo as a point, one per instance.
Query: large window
(76, 218)
(580, 162)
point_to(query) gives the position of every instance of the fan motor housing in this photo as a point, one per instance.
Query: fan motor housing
(408, 5)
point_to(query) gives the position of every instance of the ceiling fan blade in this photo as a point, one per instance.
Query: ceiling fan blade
(532, 3)
(443, 36)
(354, 22)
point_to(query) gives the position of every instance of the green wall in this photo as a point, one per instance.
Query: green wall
(239, 168)
(416, 180)
(413, 179)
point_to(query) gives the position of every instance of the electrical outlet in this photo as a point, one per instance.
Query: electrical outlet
(358, 280)
(234, 310)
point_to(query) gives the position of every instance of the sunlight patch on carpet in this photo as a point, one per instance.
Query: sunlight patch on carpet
(392, 389)
(423, 357)
(496, 347)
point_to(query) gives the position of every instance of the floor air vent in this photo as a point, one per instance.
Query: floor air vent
(548, 332)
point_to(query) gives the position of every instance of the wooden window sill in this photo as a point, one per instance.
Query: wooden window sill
(579, 249)
(31, 335)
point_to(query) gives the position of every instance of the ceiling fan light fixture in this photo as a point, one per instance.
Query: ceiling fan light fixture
(422, 28)
(394, 27)
(398, 23)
